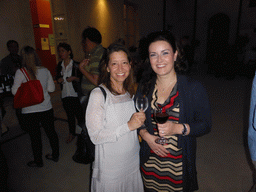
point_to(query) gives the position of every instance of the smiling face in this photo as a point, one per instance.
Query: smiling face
(119, 67)
(162, 58)
(63, 53)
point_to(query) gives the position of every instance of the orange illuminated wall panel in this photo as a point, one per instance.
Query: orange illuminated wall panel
(42, 25)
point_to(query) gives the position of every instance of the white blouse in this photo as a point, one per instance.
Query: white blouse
(104, 123)
(68, 89)
(116, 165)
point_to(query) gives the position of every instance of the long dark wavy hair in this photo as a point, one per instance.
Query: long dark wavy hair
(149, 76)
(104, 78)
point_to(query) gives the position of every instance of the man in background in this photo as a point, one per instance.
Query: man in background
(91, 42)
(11, 62)
(9, 66)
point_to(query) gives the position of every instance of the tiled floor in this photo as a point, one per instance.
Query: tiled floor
(222, 158)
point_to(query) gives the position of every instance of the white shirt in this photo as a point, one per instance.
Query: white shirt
(68, 89)
(46, 80)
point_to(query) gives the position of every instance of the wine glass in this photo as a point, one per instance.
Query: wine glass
(160, 117)
(142, 104)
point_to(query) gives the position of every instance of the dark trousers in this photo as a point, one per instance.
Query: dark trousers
(19, 116)
(31, 122)
(73, 110)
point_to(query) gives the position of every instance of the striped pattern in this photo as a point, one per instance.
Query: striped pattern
(93, 68)
(165, 173)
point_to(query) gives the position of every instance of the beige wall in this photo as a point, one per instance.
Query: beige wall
(105, 15)
(16, 23)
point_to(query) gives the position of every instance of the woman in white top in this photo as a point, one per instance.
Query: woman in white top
(42, 113)
(69, 77)
(112, 124)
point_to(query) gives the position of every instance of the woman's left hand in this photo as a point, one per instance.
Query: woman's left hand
(72, 78)
(167, 129)
(158, 149)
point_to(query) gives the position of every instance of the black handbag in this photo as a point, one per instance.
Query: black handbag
(85, 152)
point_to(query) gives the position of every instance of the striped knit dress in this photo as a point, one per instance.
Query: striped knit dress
(165, 173)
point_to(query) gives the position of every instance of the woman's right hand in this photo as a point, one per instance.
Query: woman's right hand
(83, 64)
(60, 80)
(136, 121)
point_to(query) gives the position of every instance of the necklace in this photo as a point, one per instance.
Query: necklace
(162, 89)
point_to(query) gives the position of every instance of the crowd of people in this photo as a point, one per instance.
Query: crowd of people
(99, 93)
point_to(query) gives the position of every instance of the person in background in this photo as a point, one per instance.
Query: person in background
(187, 48)
(171, 166)
(11, 62)
(89, 67)
(35, 116)
(112, 122)
(69, 78)
(8, 67)
(141, 57)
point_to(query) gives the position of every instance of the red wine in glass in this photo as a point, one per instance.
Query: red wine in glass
(161, 117)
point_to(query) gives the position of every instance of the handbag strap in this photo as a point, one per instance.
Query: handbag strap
(104, 92)
(25, 73)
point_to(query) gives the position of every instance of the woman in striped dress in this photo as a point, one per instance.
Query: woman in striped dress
(171, 167)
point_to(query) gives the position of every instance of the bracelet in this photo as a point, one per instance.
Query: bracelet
(185, 130)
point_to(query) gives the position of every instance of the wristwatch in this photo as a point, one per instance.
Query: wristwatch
(185, 129)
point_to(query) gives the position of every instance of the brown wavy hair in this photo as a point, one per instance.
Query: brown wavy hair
(104, 78)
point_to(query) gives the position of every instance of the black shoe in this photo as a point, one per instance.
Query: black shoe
(34, 164)
(50, 157)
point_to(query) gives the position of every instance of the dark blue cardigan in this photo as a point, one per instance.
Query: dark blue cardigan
(195, 111)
